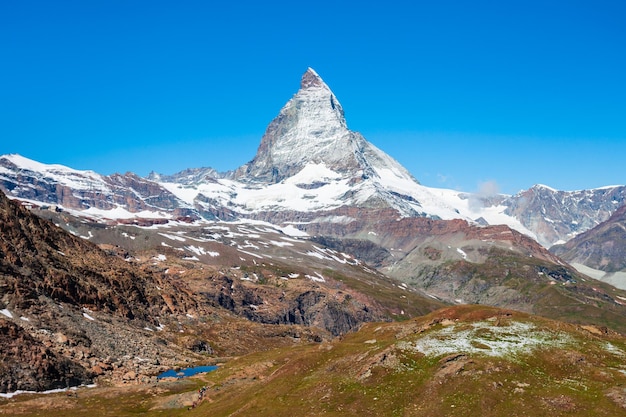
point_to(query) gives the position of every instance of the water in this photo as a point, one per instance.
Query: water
(184, 372)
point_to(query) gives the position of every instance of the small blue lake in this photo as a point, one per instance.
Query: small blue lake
(185, 372)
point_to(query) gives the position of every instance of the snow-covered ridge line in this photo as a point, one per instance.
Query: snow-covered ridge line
(32, 165)
(308, 162)
(316, 187)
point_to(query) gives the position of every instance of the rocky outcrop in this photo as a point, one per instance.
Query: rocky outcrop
(338, 312)
(383, 229)
(70, 307)
(41, 260)
(27, 364)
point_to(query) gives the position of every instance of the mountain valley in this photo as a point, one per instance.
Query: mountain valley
(321, 275)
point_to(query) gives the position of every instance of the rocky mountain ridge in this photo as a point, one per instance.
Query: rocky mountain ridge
(558, 216)
(600, 251)
(87, 192)
(308, 164)
(312, 173)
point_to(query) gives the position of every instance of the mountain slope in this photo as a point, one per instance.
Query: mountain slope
(92, 194)
(454, 362)
(458, 361)
(78, 307)
(601, 249)
(558, 216)
(123, 318)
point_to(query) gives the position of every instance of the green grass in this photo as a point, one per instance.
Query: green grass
(368, 373)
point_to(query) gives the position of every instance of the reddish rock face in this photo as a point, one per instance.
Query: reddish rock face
(386, 228)
(311, 79)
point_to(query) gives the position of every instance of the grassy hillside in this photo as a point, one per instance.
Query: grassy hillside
(458, 361)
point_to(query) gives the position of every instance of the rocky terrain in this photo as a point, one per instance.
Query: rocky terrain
(106, 314)
(26, 363)
(282, 264)
(558, 216)
(601, 247)
(457, 361)
(75, 301)
(599, 252)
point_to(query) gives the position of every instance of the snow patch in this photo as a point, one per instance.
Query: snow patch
(201, 251)
(317, 278)
(52, 391)
(293, 231)
(280, 244)
(609, 347)
(249, 253)
(173, 237)
(316, 255)
(121, 213)
(484, 338)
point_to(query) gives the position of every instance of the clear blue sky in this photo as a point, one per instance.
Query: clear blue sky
(461, 93)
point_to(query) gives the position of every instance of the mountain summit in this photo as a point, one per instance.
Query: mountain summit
(311, 79)
(310, 168)
(311, 129)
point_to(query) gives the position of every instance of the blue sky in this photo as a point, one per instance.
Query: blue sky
(461, 93)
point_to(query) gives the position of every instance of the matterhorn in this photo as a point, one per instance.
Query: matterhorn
(311, 130)
(310, 146)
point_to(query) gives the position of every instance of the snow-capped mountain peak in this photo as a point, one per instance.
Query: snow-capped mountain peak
(310, 128)
(311, 131)
(309, 169)
(15, 164)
